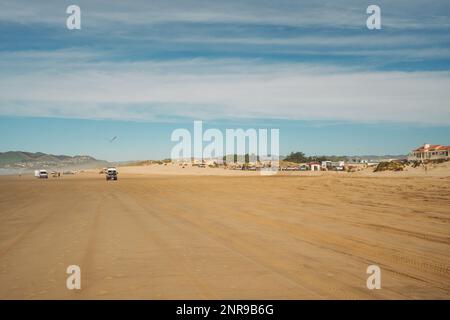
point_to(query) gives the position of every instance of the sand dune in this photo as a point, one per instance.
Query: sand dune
(433, 170)
(225, 237)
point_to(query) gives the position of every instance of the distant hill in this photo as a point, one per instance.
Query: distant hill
(30, 160)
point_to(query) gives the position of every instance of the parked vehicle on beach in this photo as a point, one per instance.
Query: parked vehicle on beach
(111, 174)
(41, 174)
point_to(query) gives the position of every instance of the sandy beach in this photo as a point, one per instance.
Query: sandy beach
(225, 236)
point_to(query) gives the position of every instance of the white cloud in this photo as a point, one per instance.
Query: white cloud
(79, 83)
(216, 89)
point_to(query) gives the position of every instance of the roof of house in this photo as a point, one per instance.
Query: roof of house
(432, 147)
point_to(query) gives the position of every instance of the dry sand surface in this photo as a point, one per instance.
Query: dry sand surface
(225, 237)
(433, 170)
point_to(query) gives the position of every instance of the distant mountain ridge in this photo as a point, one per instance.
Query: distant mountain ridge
(30, 160)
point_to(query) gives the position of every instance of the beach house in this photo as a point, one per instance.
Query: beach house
(429, 152)
(314, 166)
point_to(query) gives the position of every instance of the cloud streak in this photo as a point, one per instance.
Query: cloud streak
(226, 89)
(350, 13)
(153, 60)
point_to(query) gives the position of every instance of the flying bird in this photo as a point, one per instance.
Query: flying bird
(113, 139)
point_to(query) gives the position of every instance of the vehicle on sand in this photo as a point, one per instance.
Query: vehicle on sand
(111, 174)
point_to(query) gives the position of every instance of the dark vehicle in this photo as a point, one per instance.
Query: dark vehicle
(111, 174)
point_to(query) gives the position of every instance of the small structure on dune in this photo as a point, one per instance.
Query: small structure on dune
(314, 166)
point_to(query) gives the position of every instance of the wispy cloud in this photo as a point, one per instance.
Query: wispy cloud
(398, 14)
(214, 89)
(150, 60)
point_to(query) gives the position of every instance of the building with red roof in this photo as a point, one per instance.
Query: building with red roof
(430, 152)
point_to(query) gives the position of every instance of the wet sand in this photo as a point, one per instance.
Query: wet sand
(225, 237)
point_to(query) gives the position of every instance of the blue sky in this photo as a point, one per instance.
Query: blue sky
(139, 69)
(143, 140)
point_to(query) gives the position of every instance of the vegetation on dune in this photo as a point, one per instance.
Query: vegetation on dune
(390, 166)
(300, 157)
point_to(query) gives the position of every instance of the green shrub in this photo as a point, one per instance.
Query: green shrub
(389, 166)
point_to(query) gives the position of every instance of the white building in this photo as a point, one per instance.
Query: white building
(314, 166)
(429, 152)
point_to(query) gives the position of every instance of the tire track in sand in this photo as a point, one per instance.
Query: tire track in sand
(130, 206)
(199, 230)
